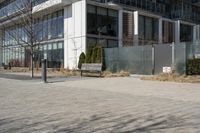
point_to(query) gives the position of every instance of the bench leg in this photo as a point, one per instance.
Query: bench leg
(81, 73)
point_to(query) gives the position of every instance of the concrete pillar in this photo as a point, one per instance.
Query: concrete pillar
(160, 31)
(67, 14)
(177, 31)
(1, 49)
(196, 33)
(74, 33)
(120, 26)
(136, 28)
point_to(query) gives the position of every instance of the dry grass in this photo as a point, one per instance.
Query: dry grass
(16, 69)
(50, 71)
(61, 72)
(108, 74)
(66, 72)
(174, 78)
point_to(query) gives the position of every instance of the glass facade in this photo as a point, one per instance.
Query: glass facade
(148, 30)
(47, 28)
(53, 52)
(50, 26)
(9, 7)
(102, 26)
(186, 33)
(174, 9)
(102, 21)
(105, 43)
(14, 55)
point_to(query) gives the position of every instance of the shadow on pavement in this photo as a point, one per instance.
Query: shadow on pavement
(124, 123)
(17, 76)
(50, 79)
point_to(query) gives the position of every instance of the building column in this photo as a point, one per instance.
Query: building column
(120, 31)
(1, 49)
(160, 31)
(67, 14)
(177, 31)
(74, 33)
(136, 28)
(196, 33)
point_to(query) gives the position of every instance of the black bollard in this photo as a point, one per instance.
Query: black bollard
(44, 70)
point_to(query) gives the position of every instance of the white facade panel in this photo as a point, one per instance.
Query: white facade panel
(136, 28)
(74, 33)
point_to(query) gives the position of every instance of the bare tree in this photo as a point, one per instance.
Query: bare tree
(24, 16)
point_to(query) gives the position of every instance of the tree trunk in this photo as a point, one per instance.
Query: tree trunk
(32, 66)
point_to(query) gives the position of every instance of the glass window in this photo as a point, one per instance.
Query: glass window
(91, 20)
(91, 9)
(102, 43)
(102, 21)
(112, 26)
(49, 46)
(91, 42)
(41, 48)
(141, 28)
(112, 43)
(148, 30)
(60, 45)
(186, 34)
(55, 46)
(45, 47)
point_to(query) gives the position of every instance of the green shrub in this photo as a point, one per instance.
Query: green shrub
(88, 58)
(99, 55)
(193, 67)
(81, 60)
(95, 55)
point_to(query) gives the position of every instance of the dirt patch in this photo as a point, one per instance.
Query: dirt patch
(174, 78)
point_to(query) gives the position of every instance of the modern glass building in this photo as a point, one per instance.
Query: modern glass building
(65, 28)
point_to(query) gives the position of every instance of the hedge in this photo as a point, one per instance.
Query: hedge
(93, 55)
(193, 67)
(81, 60)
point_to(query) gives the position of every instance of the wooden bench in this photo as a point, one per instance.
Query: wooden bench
(91, 68)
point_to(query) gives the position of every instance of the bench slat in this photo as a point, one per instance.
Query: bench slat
(88, 67)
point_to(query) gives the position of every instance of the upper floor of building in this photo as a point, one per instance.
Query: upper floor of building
(187, 10)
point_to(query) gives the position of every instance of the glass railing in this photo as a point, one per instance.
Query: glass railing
(16, 6)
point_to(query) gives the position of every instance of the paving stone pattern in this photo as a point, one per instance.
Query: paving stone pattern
(95, 105)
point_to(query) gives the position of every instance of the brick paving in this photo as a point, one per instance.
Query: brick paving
(95, 105)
